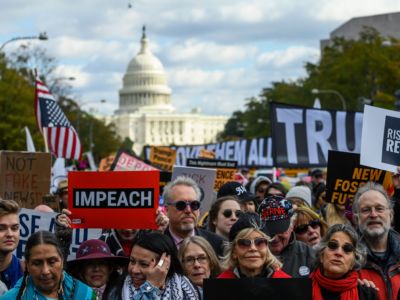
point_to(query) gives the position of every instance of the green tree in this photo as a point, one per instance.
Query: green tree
(365, 68)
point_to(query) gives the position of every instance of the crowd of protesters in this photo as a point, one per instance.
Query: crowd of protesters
(265, 230)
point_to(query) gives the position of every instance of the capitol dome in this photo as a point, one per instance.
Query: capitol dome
(145, 83)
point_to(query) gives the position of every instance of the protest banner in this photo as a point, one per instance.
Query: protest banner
(303, 136)
(106, 162)
(115, 199)
(24, 177)
(248, 153)
(127, 161)
(226, 169)
(380, 144)
(205, 178)
(257, 288)
(163, 157)
(32, 221)
(346, 175)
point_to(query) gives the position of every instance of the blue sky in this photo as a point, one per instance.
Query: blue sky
(215, 53)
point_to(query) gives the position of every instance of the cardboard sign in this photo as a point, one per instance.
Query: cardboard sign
(226, 169)
(205, 178)
(117, 199)
(163, 157)
(258, 288)
(125, 161)
(346, 175)
(24, 177)
(32, 221)
(105, 163)
(204, 153)
(380, 142)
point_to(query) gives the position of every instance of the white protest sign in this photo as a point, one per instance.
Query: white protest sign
(205, 178)
(32, 221)
(380, 139)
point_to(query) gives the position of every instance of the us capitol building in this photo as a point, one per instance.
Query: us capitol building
(145, 112)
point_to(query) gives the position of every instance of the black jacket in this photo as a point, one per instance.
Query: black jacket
(216, 242)
(298, 259)
(364, 293)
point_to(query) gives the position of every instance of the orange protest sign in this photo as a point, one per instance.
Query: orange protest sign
(163, 157)
(117, 199)
(204, 153)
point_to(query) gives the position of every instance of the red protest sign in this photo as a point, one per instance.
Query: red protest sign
(125, 199)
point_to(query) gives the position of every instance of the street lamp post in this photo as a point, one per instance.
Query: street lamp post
(318, 91)
(80, 105)
(42, 37)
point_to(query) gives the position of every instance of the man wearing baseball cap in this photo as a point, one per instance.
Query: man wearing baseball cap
(277, 219)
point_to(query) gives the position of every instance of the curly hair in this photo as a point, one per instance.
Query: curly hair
(360, 251)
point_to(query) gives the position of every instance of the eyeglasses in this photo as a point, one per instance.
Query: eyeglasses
(228, 213)
(378, 209)
(191, 260)
(181, 205)
(259, 243)
(347, 248)
(273, 195)
(301, 229)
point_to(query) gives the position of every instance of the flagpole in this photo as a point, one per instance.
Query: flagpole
(46, 146)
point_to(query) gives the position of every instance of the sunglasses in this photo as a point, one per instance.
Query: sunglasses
(347, 248)
(228, 213)
(301, 229)
(259, 243)
(181, 205)
(261, 190)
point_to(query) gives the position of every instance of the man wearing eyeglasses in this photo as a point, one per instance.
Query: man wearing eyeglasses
(373, 214)
(182, 199)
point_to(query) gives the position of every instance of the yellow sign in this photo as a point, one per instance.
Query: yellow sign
(163, 157)
(204, 153)
(224, 176)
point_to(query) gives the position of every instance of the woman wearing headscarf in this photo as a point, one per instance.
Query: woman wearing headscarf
(340, 254)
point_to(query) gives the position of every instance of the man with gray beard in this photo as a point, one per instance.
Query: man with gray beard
(373, 215)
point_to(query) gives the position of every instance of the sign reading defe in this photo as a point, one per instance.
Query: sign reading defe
(346, 175)
(126, 199)
(163, 157)
(226, 169)
(24, 177)
(125, 161)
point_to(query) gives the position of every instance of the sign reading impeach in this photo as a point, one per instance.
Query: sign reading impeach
(115, 199)
(112, 198)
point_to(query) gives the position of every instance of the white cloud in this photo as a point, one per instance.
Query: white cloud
(287, 57)
(195, 52)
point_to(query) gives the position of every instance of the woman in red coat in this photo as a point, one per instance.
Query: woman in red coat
(248, 254)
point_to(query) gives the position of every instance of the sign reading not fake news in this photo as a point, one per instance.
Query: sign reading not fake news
(126, 199)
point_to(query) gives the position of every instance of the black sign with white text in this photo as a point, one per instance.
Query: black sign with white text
(391, 141)
(255, 152)
(303, 136)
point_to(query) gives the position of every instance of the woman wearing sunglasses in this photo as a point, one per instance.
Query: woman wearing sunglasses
(309, 227)
(224, 213)
(340, 254)
(248, 254)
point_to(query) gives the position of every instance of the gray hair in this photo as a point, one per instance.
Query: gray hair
(370, 186)
(181, 180)
(360, 251)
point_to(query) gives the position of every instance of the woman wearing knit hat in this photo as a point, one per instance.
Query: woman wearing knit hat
(248, 254)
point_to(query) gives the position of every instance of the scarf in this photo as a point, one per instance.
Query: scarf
(347, 287)
(177, 287)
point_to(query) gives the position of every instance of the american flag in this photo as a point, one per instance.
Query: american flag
(58, 132)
